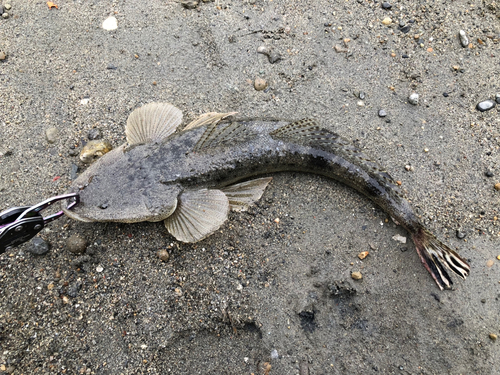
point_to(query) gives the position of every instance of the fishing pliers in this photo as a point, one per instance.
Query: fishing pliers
(21, 224)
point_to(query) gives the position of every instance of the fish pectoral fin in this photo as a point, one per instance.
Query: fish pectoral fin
(198, 214)
(152, 122)
(242, 195)
(208, 118)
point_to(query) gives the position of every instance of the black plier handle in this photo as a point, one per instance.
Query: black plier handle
(20, 224)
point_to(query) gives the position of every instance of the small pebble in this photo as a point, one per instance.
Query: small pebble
(363, 254)
(488, 174)
(386, 5)
(497, 186)
(274, 354)
(260, 84)
(189, 4)
(463, 38)
(382, 113)
(99, 269)
(7, 6)
(110, 23)
(76, 244)
(1, 9)
(497, 96)
(94, 134)
(163, 255)
(3, 56)
(413, 98)
(356, 275)
(409, 168)
(445, 94)
(490, 262)
(485, 105)
(38, 246)
(399, 238)
(360, 103)
(498, 257)
(94, 149)
(51, 134)
(387, 21)
(5, 15)
(73, 172)
(493, 336)
(362, 95)
(460, 235)
(274, 57)
(405, 29)
(264, 50)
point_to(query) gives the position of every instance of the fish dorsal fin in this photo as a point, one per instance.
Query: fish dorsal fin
(305, 130)
(242, 195)
(152, 122)
(308, 132)
(208, 119)
(198, 214)
(218, 134)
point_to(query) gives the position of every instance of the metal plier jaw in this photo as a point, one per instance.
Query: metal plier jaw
(21, 224)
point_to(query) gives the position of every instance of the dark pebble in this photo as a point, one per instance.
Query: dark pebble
(382, 113)
(488, 153)
(445, 94)
(74, 288)
(485, 106)
(76, 244)
(38, 246)
(103, 206)
(405, 56)
(111, 67)
(460, 235)
(483, 300)
(274, 57)
(386, 5)
(488, 174)
(497, 98)
(405, 29)
(94, 134)
(411, 21)
(388, 121)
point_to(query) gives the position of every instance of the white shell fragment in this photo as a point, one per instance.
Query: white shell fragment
(399, 238)
(110, 23)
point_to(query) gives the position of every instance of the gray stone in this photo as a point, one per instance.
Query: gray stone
(51, 134)
(73, 172)
(38, 246)
(382, 113)
(497, 98)
(485, 105)
(413, 98)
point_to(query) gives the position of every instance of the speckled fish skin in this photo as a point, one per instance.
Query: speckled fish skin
(143, 182)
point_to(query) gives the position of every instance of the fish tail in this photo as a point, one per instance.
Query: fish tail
(437, 258)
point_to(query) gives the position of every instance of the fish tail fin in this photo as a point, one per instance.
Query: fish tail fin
(437, 257)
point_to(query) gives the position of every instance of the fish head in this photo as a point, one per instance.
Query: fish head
(116, 188)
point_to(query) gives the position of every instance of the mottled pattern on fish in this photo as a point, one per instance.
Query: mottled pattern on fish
(191, 178)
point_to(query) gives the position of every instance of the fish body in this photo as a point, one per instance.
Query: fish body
(193, 177)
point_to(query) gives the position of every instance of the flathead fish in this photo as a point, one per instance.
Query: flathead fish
(191, 178)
